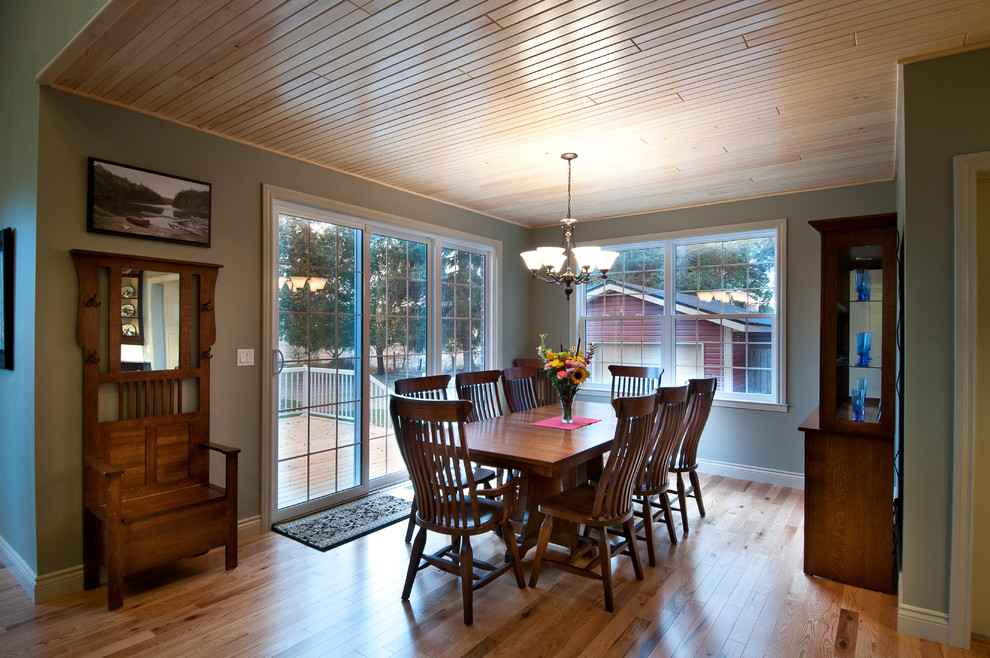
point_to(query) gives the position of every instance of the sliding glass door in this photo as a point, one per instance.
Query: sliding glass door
(355, 307)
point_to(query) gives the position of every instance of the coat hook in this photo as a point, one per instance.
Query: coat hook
(207, 306)
(91, 302)
(94, 356)
(206, 354)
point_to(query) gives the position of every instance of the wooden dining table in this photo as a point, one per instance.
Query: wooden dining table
(548, 459)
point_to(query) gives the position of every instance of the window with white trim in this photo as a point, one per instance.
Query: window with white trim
(723, 319)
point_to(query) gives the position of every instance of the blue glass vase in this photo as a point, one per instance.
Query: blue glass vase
(862, 280)
(864, 341)
(858, 396)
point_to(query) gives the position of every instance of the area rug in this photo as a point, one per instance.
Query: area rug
(339, 525)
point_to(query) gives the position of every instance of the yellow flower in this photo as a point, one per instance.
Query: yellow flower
(579, 375)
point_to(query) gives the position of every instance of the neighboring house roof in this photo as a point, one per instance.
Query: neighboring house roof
(686, 304)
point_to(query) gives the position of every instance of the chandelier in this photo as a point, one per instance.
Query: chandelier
(553, 264)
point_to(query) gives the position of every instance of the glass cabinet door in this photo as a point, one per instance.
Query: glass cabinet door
(859, 334)
(859, 310)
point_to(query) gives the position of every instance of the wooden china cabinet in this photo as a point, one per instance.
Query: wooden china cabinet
(849, 446)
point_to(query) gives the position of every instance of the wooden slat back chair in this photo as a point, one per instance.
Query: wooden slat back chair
(607, 504)
(518, 384)
(632, 381)
(701, 393)
(431, 387)
(654, 480)
(481, 389)
(545, 392)
(148, 498)
(430, 434)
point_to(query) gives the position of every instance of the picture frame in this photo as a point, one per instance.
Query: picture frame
(7, 299)
(141, 203)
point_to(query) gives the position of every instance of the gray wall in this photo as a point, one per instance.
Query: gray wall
(72, 128)
(946, 104)
(763, 439)
(31, 33)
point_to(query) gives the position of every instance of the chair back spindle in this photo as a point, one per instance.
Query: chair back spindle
(481, 389)
(518, 384)
(701, 393)
(431, 387)
(545, 392)
(633, 381)
(633, 430)
(671, 407)
(430, 434)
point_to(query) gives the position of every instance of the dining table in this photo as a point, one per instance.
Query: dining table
(546, 459)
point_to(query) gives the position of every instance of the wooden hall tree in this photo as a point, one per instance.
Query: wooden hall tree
(147, 494)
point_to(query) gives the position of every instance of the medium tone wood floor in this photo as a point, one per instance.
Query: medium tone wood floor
(732, 587)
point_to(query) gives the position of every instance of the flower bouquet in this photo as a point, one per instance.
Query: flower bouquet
(566, 370)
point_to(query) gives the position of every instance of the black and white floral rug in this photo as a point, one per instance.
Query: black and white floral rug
(341, 524)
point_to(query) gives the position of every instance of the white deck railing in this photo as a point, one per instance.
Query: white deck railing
(331, 393)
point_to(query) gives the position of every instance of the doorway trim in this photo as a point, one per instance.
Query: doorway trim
(966, 169)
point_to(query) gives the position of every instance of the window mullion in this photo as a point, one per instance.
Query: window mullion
(668, 349)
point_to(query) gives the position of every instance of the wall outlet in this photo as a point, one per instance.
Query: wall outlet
(245, 357)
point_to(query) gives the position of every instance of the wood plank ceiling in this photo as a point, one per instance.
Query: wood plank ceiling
(668, 103)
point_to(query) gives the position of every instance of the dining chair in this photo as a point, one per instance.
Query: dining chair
(481, 389)
(651, 488)
(431, 439)
(518, 384)
(432, 387)
(701, 393)
(608, 504)
(545, 392)
(631, 381)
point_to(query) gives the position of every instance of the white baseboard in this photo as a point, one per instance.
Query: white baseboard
(926, 624)
(752, 473)
(66, 581)
(249, 527)
(17, 567)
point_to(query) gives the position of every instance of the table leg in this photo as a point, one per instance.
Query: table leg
(533, 490)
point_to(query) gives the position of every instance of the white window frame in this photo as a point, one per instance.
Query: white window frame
(777, 400)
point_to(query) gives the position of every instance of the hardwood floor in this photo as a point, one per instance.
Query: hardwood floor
(732, 587)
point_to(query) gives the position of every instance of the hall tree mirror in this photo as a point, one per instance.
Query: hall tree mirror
(150, 319)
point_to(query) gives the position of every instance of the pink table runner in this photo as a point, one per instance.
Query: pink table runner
(556, 424)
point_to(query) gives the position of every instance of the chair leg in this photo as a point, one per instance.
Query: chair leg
(467, 579)
(541, 548)
(412, 520)
(648, 531)
(696, 485)
(605, 558)
(509, 537)
(682, 501)
(414, 558)
(630, 529)
(668, 516)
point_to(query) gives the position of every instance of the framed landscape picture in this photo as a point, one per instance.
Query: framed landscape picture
(7, 299)
(140, 203)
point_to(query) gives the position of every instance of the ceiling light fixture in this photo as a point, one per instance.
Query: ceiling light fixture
(553, 264)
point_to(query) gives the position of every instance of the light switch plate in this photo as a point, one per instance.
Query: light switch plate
(245, 357)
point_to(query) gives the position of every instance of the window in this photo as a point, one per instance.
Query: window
(463, 334)
(724, 319)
